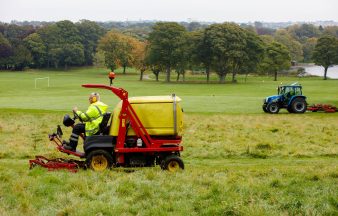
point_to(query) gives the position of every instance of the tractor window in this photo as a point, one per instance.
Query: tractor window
(281, 90)
(287, 90)
(298, 91)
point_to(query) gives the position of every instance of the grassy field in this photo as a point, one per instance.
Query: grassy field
(239, 161)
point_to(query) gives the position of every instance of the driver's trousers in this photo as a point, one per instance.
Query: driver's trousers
(74, 137)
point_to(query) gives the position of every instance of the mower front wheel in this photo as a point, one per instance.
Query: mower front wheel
(172, 163)
(99, 160)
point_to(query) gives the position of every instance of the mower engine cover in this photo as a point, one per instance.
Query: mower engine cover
(68, 121)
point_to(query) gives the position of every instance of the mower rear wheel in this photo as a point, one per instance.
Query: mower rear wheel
(299, 105)
(172, 163)
(99, 160)
(273, 108)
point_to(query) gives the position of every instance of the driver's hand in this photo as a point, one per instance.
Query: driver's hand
(75, 109)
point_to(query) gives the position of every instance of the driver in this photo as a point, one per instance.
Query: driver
(91, 118)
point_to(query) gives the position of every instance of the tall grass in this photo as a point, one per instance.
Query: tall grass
(235, 165)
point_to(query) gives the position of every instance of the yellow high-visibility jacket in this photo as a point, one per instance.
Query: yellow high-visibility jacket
(93, 117)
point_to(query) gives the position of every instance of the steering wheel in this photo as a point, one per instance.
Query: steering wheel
(76, 116)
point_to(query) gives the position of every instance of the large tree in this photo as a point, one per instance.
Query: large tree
(17, 56)
(36, 46)
(303, 32)
(228, 43)
(5, 47)
(326, 52)
(71, 48)
(153, 63)
(296, 50)
(165, 42)
(185, 58)
(331, 30)
(63, 43)
(21, 57)
(90, 33)
(254, 52)
(277, 58)
(139, 56)
(5, 52)
(118, 49)
(308, 48)
(201, 54)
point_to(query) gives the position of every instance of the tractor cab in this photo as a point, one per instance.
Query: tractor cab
(288, 96)
(286, 92)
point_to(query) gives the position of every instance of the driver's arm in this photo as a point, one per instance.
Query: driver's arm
(86, 116)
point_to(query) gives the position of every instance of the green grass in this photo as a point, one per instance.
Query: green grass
(239, 161)
(17, 91)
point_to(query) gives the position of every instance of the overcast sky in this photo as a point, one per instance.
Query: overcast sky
(169, 10)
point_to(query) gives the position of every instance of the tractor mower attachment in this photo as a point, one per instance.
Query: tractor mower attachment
(328, 108)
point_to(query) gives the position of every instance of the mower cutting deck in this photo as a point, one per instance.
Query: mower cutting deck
(328, 108)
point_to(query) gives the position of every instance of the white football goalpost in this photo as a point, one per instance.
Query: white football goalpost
(42, 78)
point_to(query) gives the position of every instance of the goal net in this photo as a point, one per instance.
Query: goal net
(40, 80)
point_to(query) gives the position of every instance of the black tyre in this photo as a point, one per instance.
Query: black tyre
(273, 108)
(298, 105)
(172, 163)
(264, 109)
(289, 110)
(99, 160)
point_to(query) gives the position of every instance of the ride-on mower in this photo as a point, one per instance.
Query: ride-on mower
(289, 97)
(141, 132)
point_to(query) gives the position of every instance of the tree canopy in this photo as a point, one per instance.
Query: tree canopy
(121, 50)
(277, 58)
(226, 48)
(326, 52)
(165, 42)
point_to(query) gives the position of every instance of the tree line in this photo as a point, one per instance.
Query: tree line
(169, 47)
(60, 44)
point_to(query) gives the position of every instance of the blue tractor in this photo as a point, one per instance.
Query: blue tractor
(289, 97)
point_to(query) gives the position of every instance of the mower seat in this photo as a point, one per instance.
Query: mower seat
(104, 129)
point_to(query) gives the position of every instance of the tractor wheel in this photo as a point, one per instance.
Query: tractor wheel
(273, 108)
(264, 109)
(172, 163)
(289, 110)
(298, 105)
(99, 160)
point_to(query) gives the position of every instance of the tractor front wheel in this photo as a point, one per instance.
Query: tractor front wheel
(172, 163)
(273, 108)
(299, 105)
(99, 160)
(264, 109)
